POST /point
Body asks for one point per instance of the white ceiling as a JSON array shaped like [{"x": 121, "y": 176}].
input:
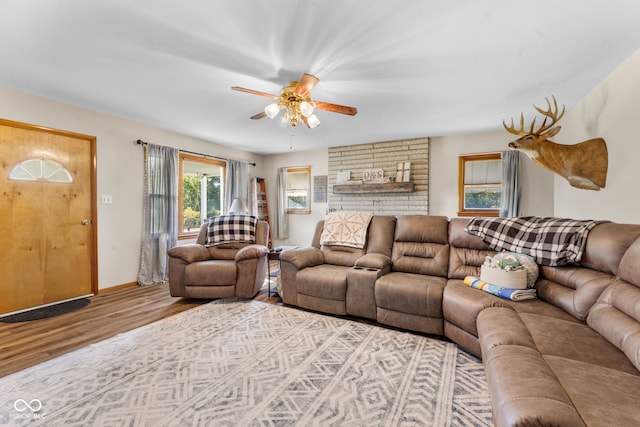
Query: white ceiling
[{"x": 413, "y": 68}]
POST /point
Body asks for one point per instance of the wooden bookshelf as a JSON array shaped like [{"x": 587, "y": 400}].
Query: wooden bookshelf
[{"x": 260, "y": 191}]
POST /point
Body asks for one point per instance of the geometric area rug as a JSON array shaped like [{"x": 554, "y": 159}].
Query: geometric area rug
[{"x": 247, "y": 363}]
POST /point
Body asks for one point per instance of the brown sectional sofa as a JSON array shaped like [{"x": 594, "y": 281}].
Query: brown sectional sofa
[{"x": 569, "y": 358}]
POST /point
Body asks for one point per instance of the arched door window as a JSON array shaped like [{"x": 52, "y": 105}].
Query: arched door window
[{"x": 40, "y": 170}]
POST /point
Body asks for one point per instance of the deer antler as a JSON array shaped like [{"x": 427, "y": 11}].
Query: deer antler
[
  {"x": 512, "y": 129},
  {"x": 550, "y": 113}
]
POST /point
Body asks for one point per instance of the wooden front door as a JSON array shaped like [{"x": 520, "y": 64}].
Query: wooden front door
[{"x": 47, "y": 216}]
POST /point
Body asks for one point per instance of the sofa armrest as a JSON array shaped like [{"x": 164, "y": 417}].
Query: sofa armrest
[
  {"x": 374, "y": 260},
  {"x": 251, "y": 252},
  {"x": 303, "y": 257},
  {"x": 189, "y": 253}
]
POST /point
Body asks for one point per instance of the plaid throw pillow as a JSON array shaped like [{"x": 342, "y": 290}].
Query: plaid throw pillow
[{"x": 231, "y": 228}]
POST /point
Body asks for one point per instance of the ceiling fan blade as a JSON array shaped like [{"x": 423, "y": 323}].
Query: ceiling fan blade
[
  {"x": 335, "y": 108},
  {"x": 304, "y": 119},
  {"x": 255, "y": 92},
  {"x": 306, "y": 84},
  {"x": 258, "y": 116}
]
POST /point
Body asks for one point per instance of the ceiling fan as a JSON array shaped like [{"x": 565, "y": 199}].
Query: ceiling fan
[{"x": 295, "y": 101}]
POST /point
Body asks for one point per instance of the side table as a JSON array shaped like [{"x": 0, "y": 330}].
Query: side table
[{"x": 274, "y": 255}]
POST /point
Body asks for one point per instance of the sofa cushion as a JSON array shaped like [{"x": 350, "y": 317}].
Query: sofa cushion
[
  {"x": 524, "y": 389},
  {"x": 381, "y": 233},
  {"x": 462, "y": 304},
  {"x": 421, "y": 258},
  {"x": 226, "y": 251},
  {"x": 595, "y": 376},
  {"x": 410, "y": 301},
  {"x": 616, "y": 316},
  {"x": 574, "y": 289},
  {"x": 341, "y": 255},
  {"x": 421, "y": 245},
  {"x": 466, "y": 252},
  {"x": 459, "y": 237},
  {"x": 323, "y": 281},
  {"x": 606, "y": 245},
  {"x": 422, "y": 228},
  {"x": 602, "y": 396},
  {"x": 630, "y": 265},
  {"x": 576, "y": 341},
  {"x": 411, "y": 293},
  {"x": 465, "y": 262},
  {"x": 211, "y": 273}
]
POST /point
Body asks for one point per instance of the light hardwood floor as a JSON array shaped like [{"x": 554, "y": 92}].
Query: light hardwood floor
[{"x": 28, "y": 343}]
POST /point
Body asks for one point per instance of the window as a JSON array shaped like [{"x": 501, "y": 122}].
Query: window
[
  {"x": 299, "y": 190},
  {"x": 42, "y": 170},
  {"x": 480, "y": 185},
  {"x": 201, "y": 191}
]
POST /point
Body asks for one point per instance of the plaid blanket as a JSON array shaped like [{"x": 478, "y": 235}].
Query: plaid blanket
[
  {"x": 550, "y": 241},
  {"x": 231, "y": 228}
]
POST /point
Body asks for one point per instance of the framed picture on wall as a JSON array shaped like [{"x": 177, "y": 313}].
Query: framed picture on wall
[{"x": 320, "y": 189}]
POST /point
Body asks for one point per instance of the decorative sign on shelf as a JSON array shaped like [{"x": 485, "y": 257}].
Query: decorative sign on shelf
[
  {"x": 373, "y": 176},
  {"x": 343, "y": 177},
  {"x": 403, "y": 172}
]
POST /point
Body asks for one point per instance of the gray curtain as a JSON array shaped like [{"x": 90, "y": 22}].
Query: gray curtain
[
  {"x": 281, "y": 218},
  {"x": 236, "y": 183},
  {"x": 160, "y": 228},
  {"x": 510, "y": 184}
]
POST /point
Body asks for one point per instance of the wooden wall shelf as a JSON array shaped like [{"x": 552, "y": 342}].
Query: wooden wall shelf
[{"x": 388, "y": 187}]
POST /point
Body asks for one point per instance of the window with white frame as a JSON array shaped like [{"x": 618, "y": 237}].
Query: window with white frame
[
  {"x": 201, "y": 192},
  {"x": 298, "y": 189}
]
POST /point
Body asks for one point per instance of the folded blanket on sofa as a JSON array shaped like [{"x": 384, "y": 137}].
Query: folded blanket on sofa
[
  {"x": 346, "y": 228},
  {"x": 499, "y": 291},
  {"x": 550, "y": 241}
]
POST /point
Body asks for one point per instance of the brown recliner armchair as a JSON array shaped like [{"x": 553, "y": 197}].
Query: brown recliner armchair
[{"x": 226, "y": 270}]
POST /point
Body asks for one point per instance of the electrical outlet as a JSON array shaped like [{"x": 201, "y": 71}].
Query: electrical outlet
[{"x": 106, "y": 199}]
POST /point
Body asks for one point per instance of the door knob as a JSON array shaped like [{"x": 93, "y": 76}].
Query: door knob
[{"x": 86, "y": 222}]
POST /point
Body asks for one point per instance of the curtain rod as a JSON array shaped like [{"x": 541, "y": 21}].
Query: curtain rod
[{"x": 141, "y": 142}]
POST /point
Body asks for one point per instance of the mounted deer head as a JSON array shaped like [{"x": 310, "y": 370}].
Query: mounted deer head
[{"x": 584, "y": 164}]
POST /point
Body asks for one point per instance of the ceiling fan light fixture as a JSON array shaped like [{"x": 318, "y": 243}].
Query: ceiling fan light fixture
[
  {"x": 306, "y": 108},
  {"x": 272, "y": 110},
  {"x": 284, "y": 120},
  {"x": 296, "y": 104},
  {"x": 313, "y": 121}
]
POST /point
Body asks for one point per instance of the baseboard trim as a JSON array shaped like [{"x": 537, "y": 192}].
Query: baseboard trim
[{"x": 117, "y": 288}]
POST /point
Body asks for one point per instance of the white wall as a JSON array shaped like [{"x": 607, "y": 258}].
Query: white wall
[
  {"x": 536, "y": 186},
  {"x": 610, "y": 111},
  {"x": 119, "y": 172},
  {"x": 301, "y": 226}
]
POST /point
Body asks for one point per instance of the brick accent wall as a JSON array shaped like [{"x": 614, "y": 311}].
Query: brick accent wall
[{"x": 384, "y": 155}]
